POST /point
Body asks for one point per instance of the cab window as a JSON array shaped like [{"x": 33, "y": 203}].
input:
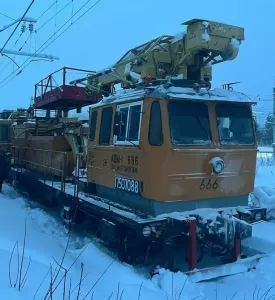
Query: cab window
[
  {"x": 189, "y": 123},
  {"x": 155, "y": 135},
  {"x": 105, "y": 126},
  {"x": 128, "y": 123},
  {"x": 234, "y": 123},
  {"x": 93, "y": 125}
]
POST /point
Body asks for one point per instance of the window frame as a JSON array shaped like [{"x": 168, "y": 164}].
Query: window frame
[
  {"x": 129, "y": 105},
  {"x": 252, "y": 125},
  {"x": 150, "y": 125},
  {"x": 209, "y": 124},
  {"x": 101, "y": 119},
  {"x": 95, "y": 127}
]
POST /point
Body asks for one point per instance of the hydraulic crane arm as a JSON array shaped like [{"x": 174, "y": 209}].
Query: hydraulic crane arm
[{"x": 189, "y": 55}]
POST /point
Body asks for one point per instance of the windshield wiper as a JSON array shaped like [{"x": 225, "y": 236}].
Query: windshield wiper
[
  {"x": 126, "y": 139},
  {"x": 200, "y": 124}
]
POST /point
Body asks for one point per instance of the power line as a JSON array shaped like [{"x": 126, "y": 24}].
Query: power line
[
  {"x": 25, "y": 42},
  {"x": 71, "y": 23},
  {"x": 7, "y": 16},
  {"x": 11, "y": 49},
  {"x": 47, "y": 10},
  {"x": 37, "y": 52},
  {"x": 45, "y": 23},
  {"x": 17, "y": 25}
]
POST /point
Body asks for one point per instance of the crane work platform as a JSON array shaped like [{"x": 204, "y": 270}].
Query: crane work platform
[{"x": 54, "y": 92}]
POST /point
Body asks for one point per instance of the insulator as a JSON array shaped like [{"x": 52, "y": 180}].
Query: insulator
[
  {"x": 23, "y": 28},
  {"x": 31, "y": 27}
]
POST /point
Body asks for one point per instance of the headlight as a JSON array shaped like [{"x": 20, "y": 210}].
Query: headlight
[
  {"x": 217, "y": 165},
  {"x": 147, "y": 231}
]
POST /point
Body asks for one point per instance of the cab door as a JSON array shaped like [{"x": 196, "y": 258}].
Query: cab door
[{"x": 127, "y": 151}]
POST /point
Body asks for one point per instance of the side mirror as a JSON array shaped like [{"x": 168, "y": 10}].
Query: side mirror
[{"x": 117, "y": 122}]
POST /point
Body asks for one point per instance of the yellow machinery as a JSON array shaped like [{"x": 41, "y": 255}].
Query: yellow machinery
[
  {"x": 188, "y": 55},
  {"x": 170, "y": 161}
]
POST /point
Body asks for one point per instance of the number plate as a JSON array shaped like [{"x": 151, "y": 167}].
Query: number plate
[{"x": 128, "y": 185}]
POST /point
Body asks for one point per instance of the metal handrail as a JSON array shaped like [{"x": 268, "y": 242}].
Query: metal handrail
[
  {"x": 40, "y": 165},
  {"x": 43, "y": 150},
  {"x": 39, "y": 85},
  {"x": 44, "y": 167}
]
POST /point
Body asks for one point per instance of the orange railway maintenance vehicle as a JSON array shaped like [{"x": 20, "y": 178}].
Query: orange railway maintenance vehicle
[{"x": 170, "y": 161}]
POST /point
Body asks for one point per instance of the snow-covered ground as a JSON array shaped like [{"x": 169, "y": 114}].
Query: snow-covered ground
[
  {"x": 45, "y": 246},
  {"x": 104, "y": 277},
  {"x": 265, "y": 149}
]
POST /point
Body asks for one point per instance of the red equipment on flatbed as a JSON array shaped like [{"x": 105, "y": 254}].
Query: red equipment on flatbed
[{"x": 50, "y": 95}]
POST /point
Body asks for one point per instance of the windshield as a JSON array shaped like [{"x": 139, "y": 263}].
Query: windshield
[
  {"x": 234, "y": 124},
  {"x": 189, "y": 123}
]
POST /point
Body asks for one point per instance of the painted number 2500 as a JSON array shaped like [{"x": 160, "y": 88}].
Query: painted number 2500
[{"x": 209, "y": 184}]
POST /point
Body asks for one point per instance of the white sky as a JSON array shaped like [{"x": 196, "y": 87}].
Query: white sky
[{"x": 107, "y": 31}]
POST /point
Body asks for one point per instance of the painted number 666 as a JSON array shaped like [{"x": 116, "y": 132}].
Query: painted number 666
[{"x": 209, "y": 184}]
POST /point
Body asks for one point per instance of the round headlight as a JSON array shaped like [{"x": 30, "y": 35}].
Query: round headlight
[
  {"x": 218, "y": 166},
  {"x": 147, "y": 231}
]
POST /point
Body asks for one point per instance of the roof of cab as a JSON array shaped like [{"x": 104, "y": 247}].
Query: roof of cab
[{"x": 215, "y": 95}]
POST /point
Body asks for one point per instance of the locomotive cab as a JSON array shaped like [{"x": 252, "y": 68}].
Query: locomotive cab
[{"x": 178, "y": 150}]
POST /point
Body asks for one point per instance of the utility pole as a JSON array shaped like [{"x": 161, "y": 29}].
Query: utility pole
[{"x": 31, "y": 21}]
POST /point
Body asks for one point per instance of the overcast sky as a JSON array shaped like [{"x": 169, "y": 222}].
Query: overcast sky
[{"x": 108, "y": 30}]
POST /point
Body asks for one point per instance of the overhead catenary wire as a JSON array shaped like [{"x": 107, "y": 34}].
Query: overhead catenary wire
[
  {"x": 7, "y": 16},
  {"x": 11, "y": 49},
  {"x": 45, "y": 23},
  {"x": 55, "y": 18},
  {"x": 41, "y": 50},
  {"x": 25, "y": 42},
  {"x": 71, "y": 23},
  {"x": 45, "y": 11},
  {"x": 15, "y": 43},
  {"x": 11, "y": 35}
]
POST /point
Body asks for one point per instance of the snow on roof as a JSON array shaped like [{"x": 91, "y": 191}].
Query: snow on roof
[
  {"x": 217, "y": 94},
  {"x": 120, "y": 96},
  {"x": 179, "y": 36}
]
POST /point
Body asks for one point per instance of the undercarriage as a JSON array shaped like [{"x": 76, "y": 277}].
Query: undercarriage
[{"x": 190, "y": 242}]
